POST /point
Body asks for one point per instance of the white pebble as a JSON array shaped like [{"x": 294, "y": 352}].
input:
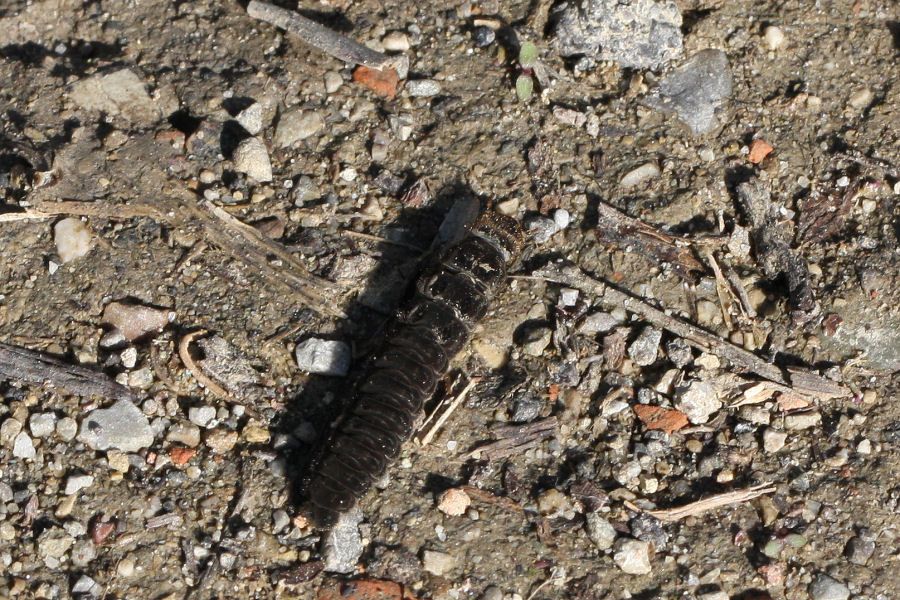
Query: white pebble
[
  {"x": 774, "y": 37},
  {"x": 201, "y": 415},
  {"x": 861, "y": 99},
  {"x": 437, "y": 563},
  {"x": 706, "y": 155},
  {"x": 72, "y": 238},
  {"x": 252, "y": 158},
  {"x": 129, "y": 357},
  {"x": 635, "y": 177},
  {"x": 333, "y": 82},
  {"x": 76, "y": 483},
  {"x": 67, "y": 429},
  {"x": 395, "y": 41},
  {"x": 23, "y": 447},
  {"x": 251, "y": 118},
  {"x": 324, "y": 357},
  {"x": 697, "y": 400},
  {"x": 296, "y": 125},
  {"x": 773, "y": 440},
  {"x": 562, "y": 218},
  {"x": 42, "y": 424},
  {"x": 632, "y": 556},
  {"x": 423, "y": 88}
]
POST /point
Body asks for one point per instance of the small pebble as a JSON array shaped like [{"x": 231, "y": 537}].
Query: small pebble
[
  {"x": 562, "y": 218},
  {"x": 296, "y": 125},
  {"x": 251, "y": 118},
  {"x": 76, "y": 483},
  {"x": 73, "y": 239},
  {"x": 323, "y": 357},
  {"x": 121, "y": 426},
  {"x": 542, "y": 228},
  {"x": 643, "y": 350},
  {"x": 632, "y": 556},
  {"x": 206, "y": 176},
  {"x": 536, "y": 341},
  {"x": 599, "y": 322},
  {"x": 67, "y": 429},
  {"x": 453, "y": 502},
  {"x": 333, "y": 82},
  {"x": 773, "y": 37},
  {"x": 600, "y": 531},
  {"x": 343, "y": 545},
  {"x": 125, "y": 567},
  {"x": 423, "y": 88},
  {"x": 252, "y": 158},
  {"x": 395, "y": 41},
  {"x": 641, "y": 174},
  {"x": 23, "y": 447},
  {"x": 483, "y": 36},
  {"x": 861, "y": 547},
  {"x": 184, "y": 433},
  {"x": 118, "y": 461},
  {"x": 824, "y": 587},
  {"x": 438, "y": 563},
  {"x": 42, "y": 424},
  {"x": 697, "y": 400},
  {"x": 201, "y": 415},
  {"x": 861, "y": 99},
  {"x": 568, "y": 297},
  {"x": 221, "y": 441},
  {"x": 129, "y": 357},
  {"x": 799, "y": 421},
  {"x": 773, "y": 440}
]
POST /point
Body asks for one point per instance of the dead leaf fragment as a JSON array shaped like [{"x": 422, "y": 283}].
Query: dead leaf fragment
[
  {"x": 759, "y": 149},
  {"x": 657, "y": 417}
]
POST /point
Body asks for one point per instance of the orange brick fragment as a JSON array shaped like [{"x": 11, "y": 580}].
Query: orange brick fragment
[
  {"x": 657, "y": 417},
  {"x": 364, "y": 589},
  {"x": 181, "y": 455},
  {"x": 759, "y": 149},
  {"x": 383, "y": 83}
]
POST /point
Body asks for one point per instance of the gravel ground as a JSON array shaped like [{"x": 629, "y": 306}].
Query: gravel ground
[{"x": 149, "y": 113}]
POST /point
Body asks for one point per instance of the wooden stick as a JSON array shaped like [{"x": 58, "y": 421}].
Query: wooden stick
[
  {"x": 36, "y": 367},
  {"x": 802, "y": 382},
  {"x": 314, "y": 34},
  {"x": 713, "y": 502}
]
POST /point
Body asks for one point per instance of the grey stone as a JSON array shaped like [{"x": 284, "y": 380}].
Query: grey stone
[
  {"x": 599, "y": 322},
  {"x": 323, "y": 357},
  {"x": 679, "y": 352},
  {"x": 542, "y": 228},
  {"x": 600, "y": 531},
  {"x": 804, "y": 420},
  {"x": 632, "y": 556},
  {"x": 423, "y": 88},
  {"x": 201, "y": 415},
  {"x": 251, "y": 118},
  {"x": 483, "y": 36},
  {"x": 9, "y": 429},
  {"x": 536, "y": 340},
  {"x": 644, "y": 348},
  {"x": 773, "y": 440},
  {"x": 67, "y": 429},
  {"x": 23, "y": 447},
  {"x": 6, "y": 492},
  {"x": 121, "y": 93},
  {"x": 42, "y": 424},
  {"x": 296, "y": 125},
  {"x": 184, "y": 433},
  {"x": 252, "y": 158},
  {"x": 639, "y": 34},
  {"x": 280, "y": 520},
  {"x": 53, "y": 543},
  {"x": 305, "y": 190},
  {"x": 86, "y": 585},
  {"x": 861, "y": 547},
  {"x": 695, "y": 91},
  {"x": 438, "y": 563},
  {"x": 121, "y": 426},
  {"x": 649, "y": 529},
  {"x": 824, "y": 587},
  {"x": 870, "y": 329},
  {"x": 83, "y": 552},
  {"x": 697, "y": 400},
  {"x": 343, "y": 546},
  {"x": 526, "y": 408}
]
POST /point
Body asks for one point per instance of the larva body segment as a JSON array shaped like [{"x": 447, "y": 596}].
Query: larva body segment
[{"x": 451, "y": 296}]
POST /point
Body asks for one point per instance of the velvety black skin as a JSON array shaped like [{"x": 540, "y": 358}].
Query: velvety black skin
[{"x": 450, "y": 297}]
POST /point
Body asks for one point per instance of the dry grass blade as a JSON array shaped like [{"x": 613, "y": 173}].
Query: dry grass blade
[
  {"x": 515, "y": 439},
  {"x": 185, "y": 353},
  {"x": 326, "y": 40},
  {"x": 442, "y": 412},
  {"x": 711, "y": 503}
]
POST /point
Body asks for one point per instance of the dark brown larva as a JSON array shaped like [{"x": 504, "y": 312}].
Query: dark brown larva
[{"x": 451, "y": 296}]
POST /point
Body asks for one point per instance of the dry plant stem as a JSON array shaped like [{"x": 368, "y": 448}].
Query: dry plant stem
[
  {"x": 200, "y": 376},
  {"x": 382, "y": 240},
  {"x": 515, "y": 439},
  {"x": 426, "y": 438},
  {"x": 37, "y": 367},
  {"x": 321, "y": 37},
  {"x": 800, "y": 382},
  {"x": 711, "y": 503}
]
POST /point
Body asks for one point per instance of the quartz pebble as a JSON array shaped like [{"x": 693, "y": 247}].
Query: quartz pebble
[
  {"x": 639, "y": 175},
  {"x": 252, "y": 158},
  {"x": 824, "y": 587},
  {"x": 453, "y": 502},
  {"x": 323, "y": 357},
  {"x": 343, "y": 545},
  {"x": 644, "y": 348},
  {"x": 395, "y": 41},
  {"x": 23, "y": 447},
  {"x": 600, "y": 531},
  {"x": 67, "y": 429},
  {"x": 697, "y": 400},
  {"x": 73, "y": 239},
  {"x": 134, "y": 320},
  {"x": 773, "y": 440},
  {"x": 121, "y": 426},
  {"x": 201, "y": 415},
  {"x": 251, "y": 118},
  {"x": 121, "y": 93},
  {"x": 773, "y": 37},
  {"x": 438, "y": 563},
  {"x": 423, "y": 88},
  {"x": 76, "y": 483},
  {"x": 296, "y": 125},
  {"x": 42, "y": 424},
  {"x": 632, "y": 556},
  {"x": 799, "y": 421},
  {"x": 333, "y": 82}
]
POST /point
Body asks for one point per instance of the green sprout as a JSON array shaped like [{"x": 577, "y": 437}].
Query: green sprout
[{"x": 524, "y": 81}]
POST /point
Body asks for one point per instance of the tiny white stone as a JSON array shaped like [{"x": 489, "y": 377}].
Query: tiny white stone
[
  {"x": 861, "y": 99},
  {"x": 349, "y": 174},
  {"x": 562, "y": 218},
  {"x": 23, "y": 447},
  {"x": 568, "y": 297},
  {"x": 76, "y": 483},
  {"x": 423, "y": 88},
  {"x": 201, "y": 415},
  {"x": 632, "y": 556},
  {"x": 639, "y": 175},
  {"x": 843, "y": 182},
  {"x": 324, "y": 357},
  {"x": 438, "y": 563},
  {"x": 706, "y": 155},
  {"x": 129, "y": 357},
  {"x": 697, "y": 400},
  {"x": 773, "y": 440},
  {"x": 251, "y": 118},
  {"x": 869, "y": 206},
  {"x": 72, "y": 238},
  {"x": 296, "y": 125},
  {"x": 395, "y": 41},
  {"x": 774, "y": 37},
  {"x": 333, "y": 82},
  {"x": 42, "y": 424}
]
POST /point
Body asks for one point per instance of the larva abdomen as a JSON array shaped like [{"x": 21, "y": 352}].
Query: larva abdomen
[{"x": 450, "y": 296}]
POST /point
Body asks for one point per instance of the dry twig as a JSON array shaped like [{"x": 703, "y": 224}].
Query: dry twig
[
  {"x": 314, "y": 34},
  {"x": 711, "y": 503},
  {"x": 515, "y": 439},
  {"x": 437, "y": 418},
  {"x": 185, "y": 354}
]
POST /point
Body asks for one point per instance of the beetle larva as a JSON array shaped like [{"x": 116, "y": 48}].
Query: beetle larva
[{"x": 451, "y": 295}]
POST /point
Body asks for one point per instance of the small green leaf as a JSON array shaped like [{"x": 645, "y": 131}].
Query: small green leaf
[
  {"x": 527, "y": 55},
  {"x": 524, "y": 87},
  {"x": 795, "y": 539},
  {"x": 772, "y": 549}
]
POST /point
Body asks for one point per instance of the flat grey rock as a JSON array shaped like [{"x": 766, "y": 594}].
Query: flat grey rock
[
  {"x": 696, "y": 91},
  {"x": 121, "y": 426},
  {"x": 343, "y": 546},
  {"x": 638, "y": 34}
]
